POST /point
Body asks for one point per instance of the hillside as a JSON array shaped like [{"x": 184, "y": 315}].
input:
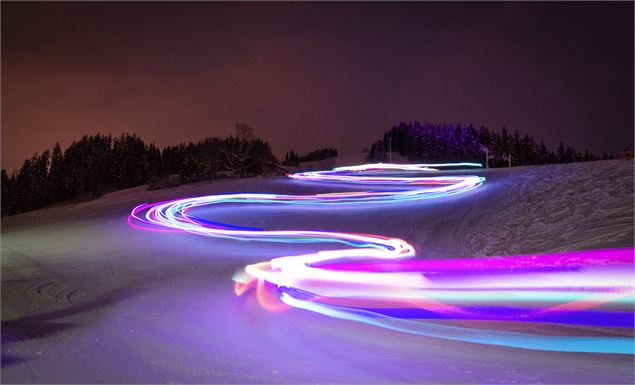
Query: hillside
[{"x": 153, "y": 307}]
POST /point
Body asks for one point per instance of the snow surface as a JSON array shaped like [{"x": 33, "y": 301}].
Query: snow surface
[{"x": 87, "y": 299}]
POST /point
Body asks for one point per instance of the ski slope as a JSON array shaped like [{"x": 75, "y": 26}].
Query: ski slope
[{"x": 87, "y": 299}]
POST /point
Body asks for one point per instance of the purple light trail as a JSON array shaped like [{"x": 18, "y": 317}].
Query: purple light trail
[{"x": 375, "y": 281}]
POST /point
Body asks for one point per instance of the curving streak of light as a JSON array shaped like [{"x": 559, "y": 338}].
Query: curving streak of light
[{"x": 372, "y": 281}]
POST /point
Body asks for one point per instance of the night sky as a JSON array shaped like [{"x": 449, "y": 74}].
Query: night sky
[{"x": 307, "y": 75}]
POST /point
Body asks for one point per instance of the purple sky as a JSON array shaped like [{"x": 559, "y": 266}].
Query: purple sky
[{"x": 308, "y": 75}]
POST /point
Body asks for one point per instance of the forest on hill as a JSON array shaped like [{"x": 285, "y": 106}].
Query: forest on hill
[
  {"x": 97, "y": 164},
  {"x": 427, "y": 142}
]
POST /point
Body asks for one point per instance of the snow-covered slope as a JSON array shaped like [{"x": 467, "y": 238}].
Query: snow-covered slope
[{"x": 86, "y": 298}]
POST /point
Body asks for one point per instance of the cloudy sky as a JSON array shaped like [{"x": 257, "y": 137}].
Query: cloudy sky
[{"x": 307, "y": 75}]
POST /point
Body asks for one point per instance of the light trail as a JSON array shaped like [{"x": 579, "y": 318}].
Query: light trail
[{"x": 374, "y": 280}]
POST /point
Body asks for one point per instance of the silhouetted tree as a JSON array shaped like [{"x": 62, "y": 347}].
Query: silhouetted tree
[
  {"x": 7, "y": 194},
  {"x": 129, "y": 159},
  {"x": 55, "y": 179}
]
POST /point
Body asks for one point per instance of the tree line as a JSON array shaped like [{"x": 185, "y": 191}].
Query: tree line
[
  {"x": 97, "y": 164},
  {"x": 427, "y": 142}
]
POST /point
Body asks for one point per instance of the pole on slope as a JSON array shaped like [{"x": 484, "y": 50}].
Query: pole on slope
[
  {"x": 486, "y": 151},
  {"x": 390, "y": 149},
  {"x": 486, "y": 157}
]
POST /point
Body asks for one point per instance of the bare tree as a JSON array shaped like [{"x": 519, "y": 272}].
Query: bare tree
[{"x": 244, "y": 133}]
